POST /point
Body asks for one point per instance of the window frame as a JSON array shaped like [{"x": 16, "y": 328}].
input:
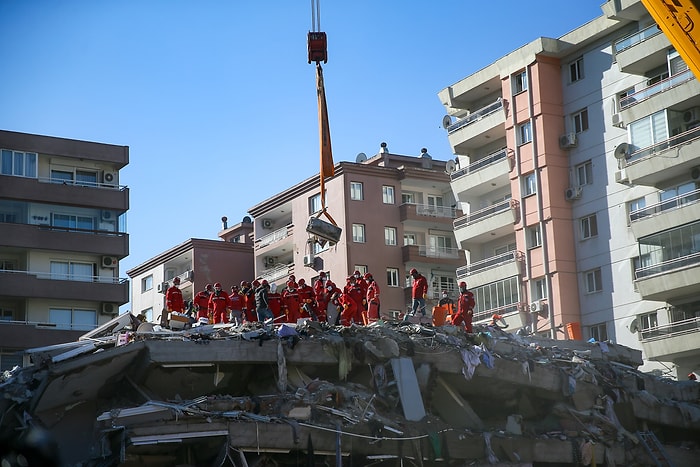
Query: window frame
[
  {"x": 392, "y": 277},
  {"x": 584, "y": 173},
  {"x": 387, "y": 234},
  {"x": 519, "y": 81},
  {"x": 594, "y": 331},
  {"x": 576, "y": 70},
  {"x": 529, "y": 184},
  {"x": 579, "y": 121},
  {"x": 588, "y": 226},
  {"x": 357, "y": 191},
  {"x": 593, "y": 280},
  {"x": 146, "y": 285},
  {"x": 355, "y": 235},
  {"x": 388, "y": 194},
  {"x": 524, "y": 133},
  {"x": 534, "y": 236},
  {"x": 9, "y": 159}
]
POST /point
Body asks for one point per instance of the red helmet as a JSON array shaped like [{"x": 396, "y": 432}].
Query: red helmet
[
  {"x": 322, "y": 274},
  {"x": 302, "y": 282},
  {"x": 292, "y": 277},
  {"x": 291, "y": 284},
  {"x": 256, "y": 283},
  {"x": 356, "y": 273},
  {"x": 462, "y": 285},
  {"x": 176, "y": 280},
  {"x": 349, "y": 278},
  {"x": 207, "y": 287},
  {"x": 413, "y": 271},
  {"x": 217, "y": 285},
  {"x": 264, "y": 282},
  {"x": 368, "y": 276}
]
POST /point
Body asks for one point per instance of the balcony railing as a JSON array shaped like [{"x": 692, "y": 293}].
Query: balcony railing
[
  {"x": 661, "y": 86},
  {"x": 67, "y": 277},
  {"x": 273, "y": 237},
  {"x": 677, "y": 328},
  {"x": 634, "y": 39},
  {"x": 665, "y": 205},
  {"x": 276, "y": 272},
  {"x": 438, "y": 252},
  {"x": 476, "y": 116},
  {"x": 486, "y": 212},
  {"x": 480, "y": 315},
  {"x": 480, "y": 164},
  {"x": 488, "y": 263},
  {"x": 692, "y": 259},
  {"x": 83, "y": 183},
  {"x": 435, "y": 211},
  {"x": 52, "y": 326},
  {"x": 661, "y": 146}
]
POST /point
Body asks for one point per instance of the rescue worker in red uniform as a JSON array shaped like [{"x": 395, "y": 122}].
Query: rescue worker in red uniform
[
  {"x": 220, "y": 304},
  {"x": 465, "y": 308},
  {"x": 419, "y": 292},
  {"x": 351, "y": 312},
  {"x": 290, "y": 302},
  {"x": 201, "y": 302},
  {"x": 362, "y": 282},
  {"x": 320, "y": 296},
  {"x": 274, "y": 299},
  {"x": 372, "y": 298},
  {"x": 173, "y": 297},
  {"x": 357, "y": 293},
  {"x": 237, "y": 305},
  {"x": 306, "y": 299},
  {"x": 248, "y": 294}
]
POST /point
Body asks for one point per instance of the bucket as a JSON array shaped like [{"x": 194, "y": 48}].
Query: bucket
[
  {"x": 573, "y": 330},
  {"x": 439, "y": 314}
]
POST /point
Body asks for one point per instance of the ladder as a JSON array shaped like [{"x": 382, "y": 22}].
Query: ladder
[{"x": 654, "y": 448}]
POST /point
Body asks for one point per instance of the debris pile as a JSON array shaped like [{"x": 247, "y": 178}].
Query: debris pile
[{"x": 131, "y": 393}]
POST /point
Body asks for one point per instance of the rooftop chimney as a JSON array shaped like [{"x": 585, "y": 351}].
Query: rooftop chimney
[
  {"x": 224, "y": 222},
  {"x": 383, "y": 149}
]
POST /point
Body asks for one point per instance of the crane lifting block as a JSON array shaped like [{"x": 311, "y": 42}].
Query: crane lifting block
[
  {"x": 318, "y": 44},
  {"x": 324, "y": 231}
]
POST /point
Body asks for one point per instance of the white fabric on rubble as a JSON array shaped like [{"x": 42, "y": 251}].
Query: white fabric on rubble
[{"x": 470, "y": 358}]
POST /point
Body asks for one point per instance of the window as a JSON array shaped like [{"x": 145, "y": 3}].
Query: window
[
  {"x": 439, "y": 246},
  {"x": 599, "y": 332},
  {"x": 392, "y": 277},
  {"x": 576, "y": 70},
  {"x": 534, "y": 236},
  {"x": 633, "y": 206},
  {"x": 501, "y": 294},
  {"x": 594, "y": 281},
  {"x": 72, "y": 271},
  {"x": 388, "y": 194},
  {"x": 499, "y": 250},
  {"x": 73, "y": 222},
  {"x": 6, "y": 314},
  {"x": 362, "y": 268},
  {"x": 148, "y": 313},
  {"x": 529, "y": 184},
  {"x": 68, "y": 318},
  {"x": 390, "y": 236},
  {"x": 317, "y": 247},
  {"x": 20, "y": 164},
  {"x": 589, "y": 227},
  {"x": 584, "y": 173},
  {"x": 524, "y": 133},
  {"x": 648, "y": 131},
  {"x": 8, "y": 265},
  {"x": 580, "y": 120},
  {"x": 358, "y": 233},
  {"x": 356, "y": 191},
  {"x": 539, "y": 289},
  {"x": 435, "y": 202},
  {"x": 520, "y": 82},
  {"x": 61, "y": 176},
  {"x": 408, "y": 198},
  {"x": 86, "y": 177},
  {"x": 315, "y": 204},
  {"x": 648, "y": 321},
  {"x": 146, "y": 283},
  {"x": 440, "y": 283},
  {"x": 409, "y": 239}
]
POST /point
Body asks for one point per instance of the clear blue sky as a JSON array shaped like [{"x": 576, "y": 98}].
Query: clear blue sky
[{"x": 217, "y": 103}]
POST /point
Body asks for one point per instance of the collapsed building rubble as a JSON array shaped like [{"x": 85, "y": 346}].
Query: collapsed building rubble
[{"x": 131, "y": 393}]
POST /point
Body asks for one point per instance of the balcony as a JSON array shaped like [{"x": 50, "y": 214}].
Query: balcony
[
  {"x": 27, "y": 335},
  {"x": 674, "y": 157},
  {"x": 276, "y": 242},
  {"x": 277, "y": 272},
  {"x": 672, "y": 341},
  {"x": 482, "y": 175},
  {"x": 667, "y": 214},
  {"x": 677, "y": 92},
  {"x": 641, "y": 51},
  {"x": 670, "y": 279},
  {"x": 431, "y": 255},
  {"x": 487, "y": 224},
  {"x": 478, "y": 128},
  {"x": 492, "y": 269},
  {"x": 47, "y": 237},
  {"x": 23, "y": 284},
  {"x": 511, "y": 313},
  {"x": 428, "y": 216}
]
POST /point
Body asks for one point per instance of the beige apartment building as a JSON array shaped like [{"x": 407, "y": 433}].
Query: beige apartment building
[
  {"x": 579, "y": 177},
  {"x": 395, "y": 211},
  {"x": 62, "y": 235}
]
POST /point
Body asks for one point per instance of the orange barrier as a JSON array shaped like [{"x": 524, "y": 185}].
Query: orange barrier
[{"x": 573, "y": 330}]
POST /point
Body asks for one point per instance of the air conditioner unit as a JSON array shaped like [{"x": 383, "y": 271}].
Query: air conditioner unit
[
  {"x": 107, "y": 215},
  {"x": 110, "y": 262},
  {"x": 269, "y": 261},
  {"x": 621, "y": 176},
  {"x": 189, "y": 275},
  {"x": 309, "y": 260},
  {"x": 617, "y": 120},
  {"x": 691, "y": 115},
  {"x": 536, "y": 306},
  {"x": 109, "y": 309},
  {"x": 110, "y": 178},
  {"x": 162, "y": 287},
  {"x": 568, "y": 141},
  {"x": 695, "y": 173},
  {"x": 572, "y": 193},
  {"x": 267, "y": 224}
]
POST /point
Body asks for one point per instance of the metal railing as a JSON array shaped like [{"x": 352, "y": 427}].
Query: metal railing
[
  {"x": 432, "y": 210},
  {"x": 664, "y": 145},
  {"x": 276, "y": 272},
  {"x": 674, "y": 329},
  {"x": 489, "y": 263},
  {"x": 83, "y": 183},
  {"x": 671, "y": 203},
  {"x": 52, "y": 326},
  {"x": 273, "y": 237},
  {"x": 67, "y": 277},
  {"x": 486, "y": 212},
  {"x": 505, "y": 310},
  {"x": 476, "y": 116},
  {"x": 492, "y": 158},
  {"x": 635, "y": 38},
  {"x": 661, "y": 86},
  {"x": 692, "y": 259},
  {"x": 438, "y": 252}
]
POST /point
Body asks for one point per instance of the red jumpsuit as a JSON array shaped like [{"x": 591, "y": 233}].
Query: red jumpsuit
[
  {"x": 306, "y": 298},
  {"x": 372, "y": 302},
  {"x": 355, "y": 290},
  {"x": 420, "y": 286},
  {"x": 251, "y": 313},
  {"x": 274, "y": 303},
  {"x": 465, "y": 313},
  {"x": 220, "y": 304},
  {"x": 237, "y": 304},
  {"x": 173, "y": 300},
  {"x": 201, "y": 304},
  {"x": 290, "y": 304},
  {"x": 351, "y": 312}
]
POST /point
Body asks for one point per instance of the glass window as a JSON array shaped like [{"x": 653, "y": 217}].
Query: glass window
[
  {"x": 315, "y": 203},
  {"x": 146, "y": 283},
  {"x": 524, "y": 133},
  {"x": 408, "y": 198},
  {"x": 6, "y": 314},
  {"x": 61, "y": 176},
  {"x": 409, "y": 239},
  {"x": 648, "y": 131},
  {"x": 576, "y": 70},
  {"x": 356, "y": 191},
  {"x": 86, "y": 178},
  {"x": 594, "y": 281},
  {"x": 584, "y": 173},
  {"x": 580, "y": 121},
  {"x": 362, "y": 268},
  {"x": 73, "y": 222},
  {"x": 529, "y": 184},
  {"x": 358, "y": 233},
  {"x": 72, "y": 271},
  {"x": 390, "y": 236},
  {"x": 589, "y": 227},
  {"x": 648, "y": 321},
  {"x": 84, "y": 320},
  {"x": 388, "y": 194},
  {"x": 633, "y": 206},
  {"x": 148, "y": 313},
  {"x": 392, "y": 277},
  {"x": 61, "y": 317},
  {"x": 534, "y": 236},
  {"x": 539, "y": 289},
  {"x": 21, "y": 164},
  {"x": 520, "y": 82},
  {"x": 599, "y": 332}
]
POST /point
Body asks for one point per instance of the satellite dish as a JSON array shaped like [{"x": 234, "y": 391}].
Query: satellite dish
[
  {"x": 361, "y": 157},
  {"x": 446, "y": 121},
  {"x": 450, "y": 166},
  {"x": 621, "y": 150},
  {"x": 634, "y": 326}
]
